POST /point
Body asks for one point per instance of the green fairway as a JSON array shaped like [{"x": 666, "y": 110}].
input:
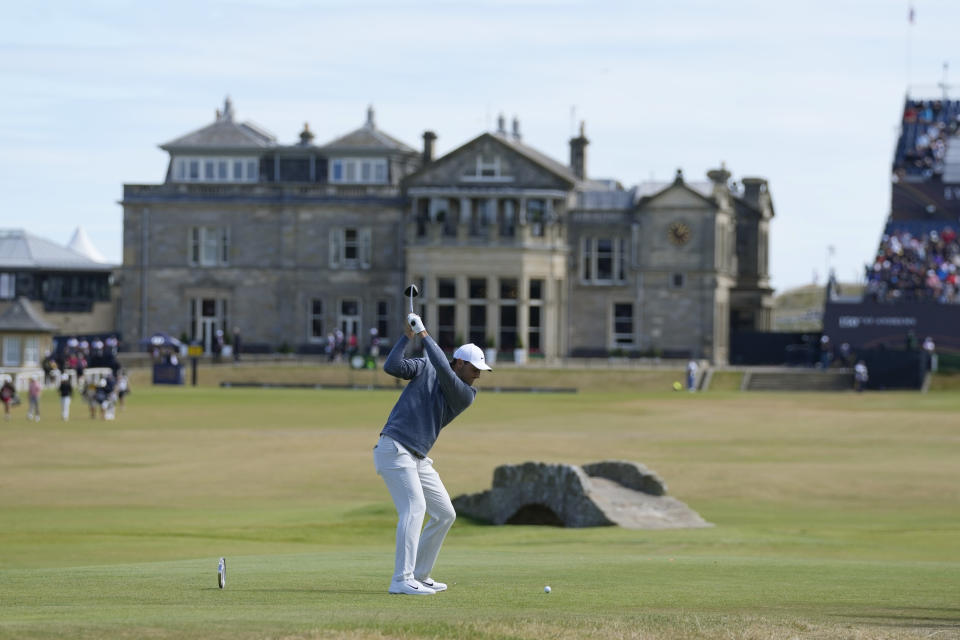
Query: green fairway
[{"x": 837, "y": 516}]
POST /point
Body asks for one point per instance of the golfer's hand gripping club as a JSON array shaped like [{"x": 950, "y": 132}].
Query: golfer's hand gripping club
[{"x": 416, "y": 324}]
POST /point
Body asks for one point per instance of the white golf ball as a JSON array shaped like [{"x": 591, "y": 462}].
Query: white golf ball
[{"x": 546, "y": 589}]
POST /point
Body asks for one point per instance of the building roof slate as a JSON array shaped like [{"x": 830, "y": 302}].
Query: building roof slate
[
  {"x": 225, "y": 133},
  {"x": 22, "y": 250},
  {"x": 367, "y": 138},
  {"x": 21, "y": 316}
]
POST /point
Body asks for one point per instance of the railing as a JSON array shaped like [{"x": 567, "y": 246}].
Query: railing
[{"x": 260, "y": 191}]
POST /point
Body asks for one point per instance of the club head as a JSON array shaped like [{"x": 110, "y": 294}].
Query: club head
[{"x": 412, "y": 292}]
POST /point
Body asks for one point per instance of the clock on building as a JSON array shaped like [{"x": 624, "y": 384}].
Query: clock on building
[{"x": 679, "y": 233}]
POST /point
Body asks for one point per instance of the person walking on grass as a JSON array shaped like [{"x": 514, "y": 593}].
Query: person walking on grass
[
  {"x": 66, "y": 394},
  {"x": 8, "y": 394},
  {"x": 437, "y": 393},
  {"x": 33, "y": 391}
]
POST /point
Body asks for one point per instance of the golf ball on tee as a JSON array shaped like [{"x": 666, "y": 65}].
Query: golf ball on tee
[{"x": 546, "y": 589}]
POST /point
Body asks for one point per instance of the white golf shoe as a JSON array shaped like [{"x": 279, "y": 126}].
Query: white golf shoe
[
  {"x": 410, "y": 588},
  {"x": 430, "y": 583}
]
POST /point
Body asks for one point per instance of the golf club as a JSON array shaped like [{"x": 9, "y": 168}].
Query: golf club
[{"x": 413, "y": 292}]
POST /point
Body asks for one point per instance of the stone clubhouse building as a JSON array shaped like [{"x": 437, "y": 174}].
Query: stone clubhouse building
[{"x": 510, "y": 248}]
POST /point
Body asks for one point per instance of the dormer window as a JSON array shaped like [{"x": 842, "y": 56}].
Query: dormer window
[
  {"x": 487, "y": 169},
  {"x": 358, "y": 170},
  {"x": 216, "y": 169}
]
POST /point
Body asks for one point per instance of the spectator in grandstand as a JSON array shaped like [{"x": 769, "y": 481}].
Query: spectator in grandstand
[
  {"x": 922, "y": 267},
  {"x": 926, "y": 127}
]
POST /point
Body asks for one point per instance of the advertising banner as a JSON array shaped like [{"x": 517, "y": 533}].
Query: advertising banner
[
  {"x": 892, "y": 326},
  {"x": 925, "y": 201}
]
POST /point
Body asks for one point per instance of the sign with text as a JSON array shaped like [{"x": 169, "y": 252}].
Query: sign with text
[
  {"x": 888, "y": 325},
  {"x": 925, "y": 201}
]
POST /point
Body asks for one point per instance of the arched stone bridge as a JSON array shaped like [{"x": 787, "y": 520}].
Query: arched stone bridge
[{"x": 606, "y": 493}]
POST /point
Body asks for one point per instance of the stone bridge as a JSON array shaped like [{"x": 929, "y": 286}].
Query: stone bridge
[{"x": 606, "y": 493}]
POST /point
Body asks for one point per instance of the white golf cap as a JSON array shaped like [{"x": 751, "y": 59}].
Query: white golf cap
[{"x": 472, "y": 354}]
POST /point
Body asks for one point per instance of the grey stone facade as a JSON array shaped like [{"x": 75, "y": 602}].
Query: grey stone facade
[{"x": 508, "y": 246}]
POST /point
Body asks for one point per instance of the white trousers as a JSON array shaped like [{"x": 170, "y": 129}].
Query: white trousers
[
  {"x": 416, "y": 490},
  {"x": 65, "y": 407}
]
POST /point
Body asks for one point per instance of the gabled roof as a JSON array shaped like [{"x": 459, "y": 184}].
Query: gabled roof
[
  {"x": 21, "y": 316},
  {"x": 647, "y": 191},
  {"x": 529, "y": 153},
  {"x": 224, "y": 134},
  {"x": 22, "y": 250},
  {"x": 537, "y": 157},
  {"x": 367, "y": 138}
]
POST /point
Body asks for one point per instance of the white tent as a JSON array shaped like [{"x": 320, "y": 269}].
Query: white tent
[{"x": 80, "y": 242}]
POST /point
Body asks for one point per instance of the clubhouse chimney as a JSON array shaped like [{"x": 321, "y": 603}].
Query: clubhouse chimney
[
  {"x": 428, "y": 138},
  {"x": 578, "y": 154},
  {"x": 753, "y": 188}
]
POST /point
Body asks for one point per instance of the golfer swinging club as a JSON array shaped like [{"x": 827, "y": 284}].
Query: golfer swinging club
[{"x": 437, "y": 393}]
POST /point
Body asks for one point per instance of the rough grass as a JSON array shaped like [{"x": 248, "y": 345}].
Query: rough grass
[{"x": 836, "y": 517}]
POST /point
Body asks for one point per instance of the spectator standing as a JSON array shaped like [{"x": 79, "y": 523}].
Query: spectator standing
[
  {"x": 123, "y": 387},
  {"x": 931, "y": 350},
  {"x": 331, "y": 347},
  {"x": 7, "y": 395},
  {"x": 217, "y": 345},
  {"x": 860, "y": 376},
  {"x": 33, "y": 391},
  {"x": 48, "y": 366},
  {"x": 826, "y": 352},
  {"x": 103, "y": 396},
  {"x": 90, "y": 395},
  {"x": 352, "y": 344},
  {"x": 80, "y": 365},
  {"x": 846, "y": 354},
  {"x": 692, "y": 375},
  {"x": 236, "y": 347},
  {"x": 66, "y": 394}
]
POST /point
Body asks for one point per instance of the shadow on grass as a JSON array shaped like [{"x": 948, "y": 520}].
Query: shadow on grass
[
  {"x": 939, "y": 618},
  {"x": 333, "y": 590}
]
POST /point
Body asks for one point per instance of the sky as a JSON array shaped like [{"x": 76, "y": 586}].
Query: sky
[{"x": 805, "y": 94}]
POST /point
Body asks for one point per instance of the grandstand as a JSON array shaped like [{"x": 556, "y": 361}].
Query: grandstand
[{"x": 912, "y": 289}]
